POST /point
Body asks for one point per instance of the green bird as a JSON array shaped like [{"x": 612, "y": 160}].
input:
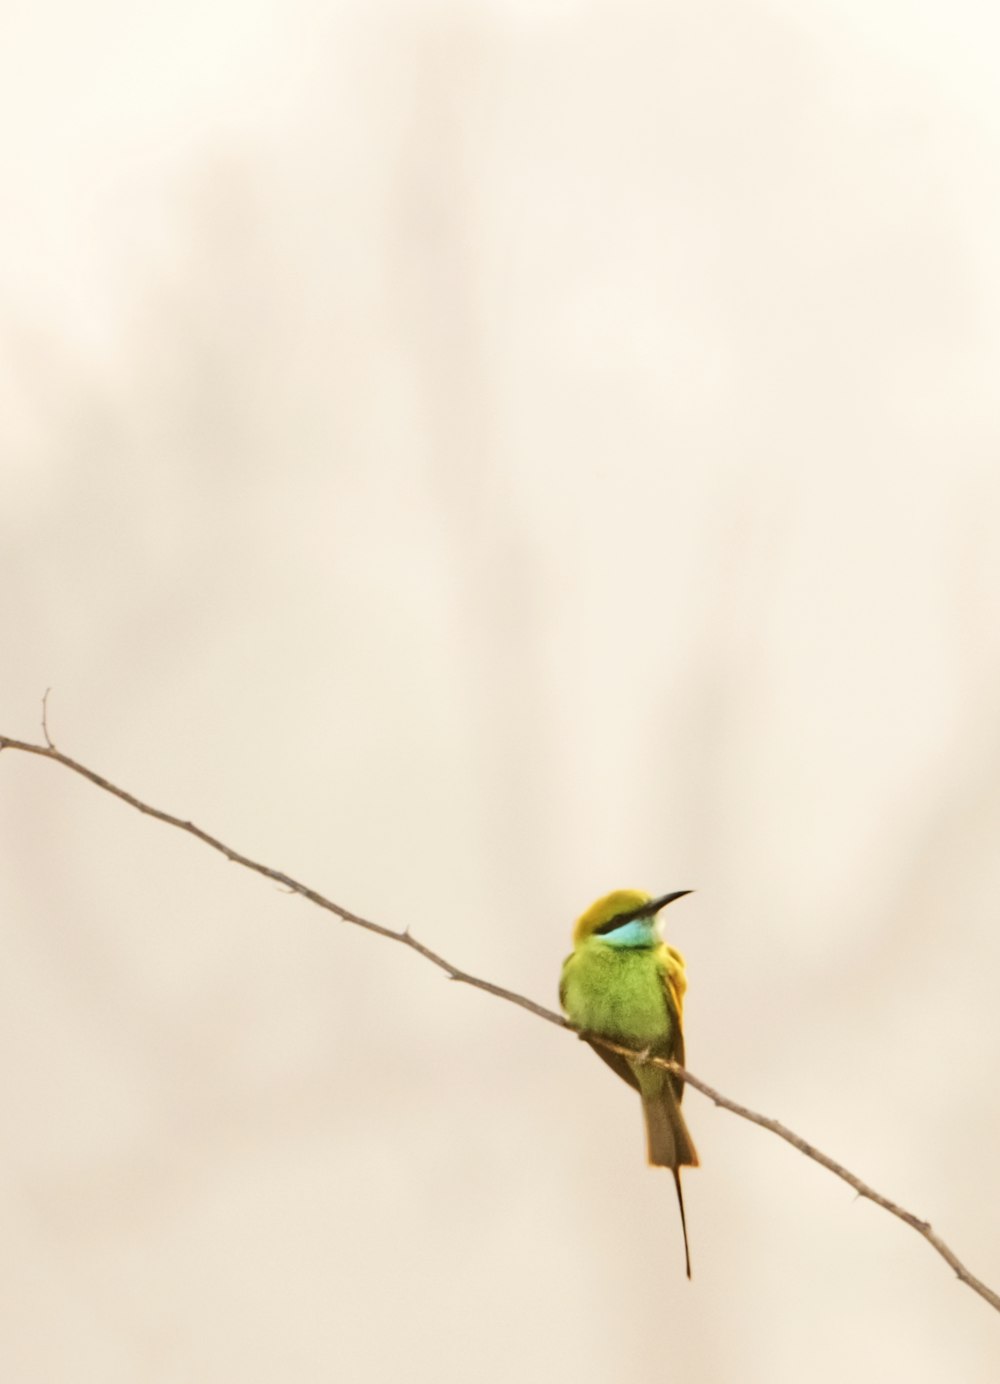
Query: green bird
[{"x": 622, "y": 982}]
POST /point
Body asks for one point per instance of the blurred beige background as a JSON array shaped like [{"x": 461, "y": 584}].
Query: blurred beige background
[{"x": 473, "y": 457}]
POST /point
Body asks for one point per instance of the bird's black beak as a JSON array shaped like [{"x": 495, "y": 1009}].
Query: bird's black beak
[{"x": 648, "y": 910}]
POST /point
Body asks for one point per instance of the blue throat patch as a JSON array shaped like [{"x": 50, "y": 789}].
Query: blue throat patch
[{"x": 640, "y": 932}]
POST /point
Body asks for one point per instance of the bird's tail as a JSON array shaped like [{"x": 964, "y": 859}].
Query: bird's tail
[{"x": 669, "y": 1145}]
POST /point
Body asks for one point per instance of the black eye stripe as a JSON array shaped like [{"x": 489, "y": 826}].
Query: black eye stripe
[
  {"x": 619, "y": 920},
  {"x": 644, "y": 910}
]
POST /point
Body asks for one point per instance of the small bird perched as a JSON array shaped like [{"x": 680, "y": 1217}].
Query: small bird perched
[{"x": 622, "y": 982}]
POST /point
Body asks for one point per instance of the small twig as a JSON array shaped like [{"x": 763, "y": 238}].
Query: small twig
[
  {"x": 45, "y": 719},
  {"x": 406, "y": 939}
]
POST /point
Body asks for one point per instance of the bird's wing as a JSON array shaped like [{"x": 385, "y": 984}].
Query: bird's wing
[
  {"x": 617, "y": 1063},
  {"x": 678, "y": 1056},
  {"x": 674, "y": 982}
]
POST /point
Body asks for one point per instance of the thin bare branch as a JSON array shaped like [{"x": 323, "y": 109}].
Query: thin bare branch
[
  {"x": 406, "y": 939},
  {"x": 825, "y": 1161},
  {"x": 294, "y": 886}
]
